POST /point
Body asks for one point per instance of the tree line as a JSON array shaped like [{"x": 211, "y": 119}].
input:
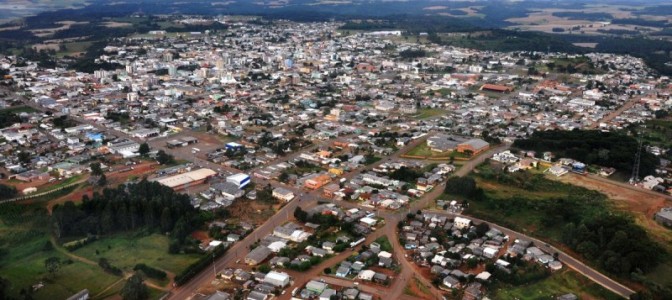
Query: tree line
[
  {"x": 608, "y": 149},
  {"x": 143, "y": 205}
]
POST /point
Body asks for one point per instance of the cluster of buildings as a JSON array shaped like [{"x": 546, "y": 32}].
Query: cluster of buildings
[
  {"x": 278, "y": 88},
  {"x": 452, "y": 258}
]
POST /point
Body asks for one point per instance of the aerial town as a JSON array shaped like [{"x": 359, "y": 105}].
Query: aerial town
[{"x": 329, "y": 150}]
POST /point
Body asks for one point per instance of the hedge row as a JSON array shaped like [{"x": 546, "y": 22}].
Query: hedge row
[
  {"x": 150, "y": 272},
  {"x": 198, "y": 266}
]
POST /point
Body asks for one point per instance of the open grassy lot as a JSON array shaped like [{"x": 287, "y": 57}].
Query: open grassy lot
[
  {"x": 24, "y": 232},
  {"x": 566, "y": 281},
  {"x": 421, "y": 150},
  {"x": 60, "y": 184},
  {"x": 74, "y": 48},
  {"x": 425, "y": 151},
  {"x": 126, "y": 250},
  {"x": 426, "y": 113},
  {"x": 657, "y": 132},
  {"x": 520, "y": 200},
  {"x": 384, "y": 243},
  {"x": 26, "y": 268},
  {"x": 25, "y": 245}
]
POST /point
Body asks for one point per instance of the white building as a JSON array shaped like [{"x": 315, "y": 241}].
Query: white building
[
  {"x": 461, "y": 223},
  {"x": 240, "y": 179},
  {"x": 277, "y": 279},
  {"x": 283, "y": 194}
]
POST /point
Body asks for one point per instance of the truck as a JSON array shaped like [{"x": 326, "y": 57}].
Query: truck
[{"x": 357, "y": 242}]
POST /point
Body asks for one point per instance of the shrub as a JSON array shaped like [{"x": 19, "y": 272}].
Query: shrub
[{"x": 150, "y": 272}]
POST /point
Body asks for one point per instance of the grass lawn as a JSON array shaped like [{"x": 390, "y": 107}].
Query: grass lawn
[
  {"x": 421, "y": 150},
  {"x": 373, "y": 160},
  {"x": 61, "y": 184},
  {"x": 384, "y": 243},
  {"x": 23, "y": 235},
  {"x": 566, "y": 281},
  {"x": 424, "y": 150},
  {"x": 426, "y": 113},
  {"x": 24, "y": 271},
  {"x": 125, "y": 251},
  {"x": 74, "y": 47}
]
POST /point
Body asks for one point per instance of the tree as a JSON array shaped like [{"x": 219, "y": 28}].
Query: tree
[
  {"x": 53, "y": 265},
  {"x": 300, "y": 214},
  {"x": 102, "y": 180},
  {"x": 482, "y": 228},
  {"x": 164, "y": 158},
  {"x": 166, "y": 220},
  {"x": 24, "y": 157},
  {"x": 144, "y": 149},
  {"x": 181, "y": 230},
  {"x": 284, "y": 177},
  {"x": 4, "y": 287},
  {"x": 462, "y": 186},
  {"x": 7, "y": 192},
  {"x": 134, "y": 289},
  {"x": 264, "y": 268},
  {"x": 96, "y": 170}
]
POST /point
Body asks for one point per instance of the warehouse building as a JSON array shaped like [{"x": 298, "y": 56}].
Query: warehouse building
[
  {"x": 277, "y": 279},
  {"x": 184, "y": 180},
  {"x": 240, "y": 179}
]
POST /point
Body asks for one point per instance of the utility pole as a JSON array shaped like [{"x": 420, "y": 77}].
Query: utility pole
[{"x": 214, "y": 266}]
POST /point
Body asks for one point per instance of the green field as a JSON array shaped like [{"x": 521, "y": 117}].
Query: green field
[
  {"x": 421, "y": 150},
  {"x": 424, "y": 150},
  {"x": 24, "y": 239},
  {"x": 125, "y": 251},
  {"x": 566, "y": 281},
  {"x": 61, "y": 184},
  {"x": 426, "y": 113},
  {"x": 657, "y": 132},
  {"x": 74, "y": 47},
  {"x": 384, "y": 243},
  {"x": 517, "y": 200},
  {"x": 23, "y": 235}
]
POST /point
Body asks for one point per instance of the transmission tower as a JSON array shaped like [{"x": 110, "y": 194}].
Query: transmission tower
[{"x": 635, "y": 165}]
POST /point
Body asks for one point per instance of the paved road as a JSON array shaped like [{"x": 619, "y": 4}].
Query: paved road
[
  {"x": 610, "y": 116},
  {"x": 569, "y": 261}
]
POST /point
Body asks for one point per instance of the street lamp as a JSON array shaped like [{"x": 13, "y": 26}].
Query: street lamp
[{"x": 214, "y": 266}]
